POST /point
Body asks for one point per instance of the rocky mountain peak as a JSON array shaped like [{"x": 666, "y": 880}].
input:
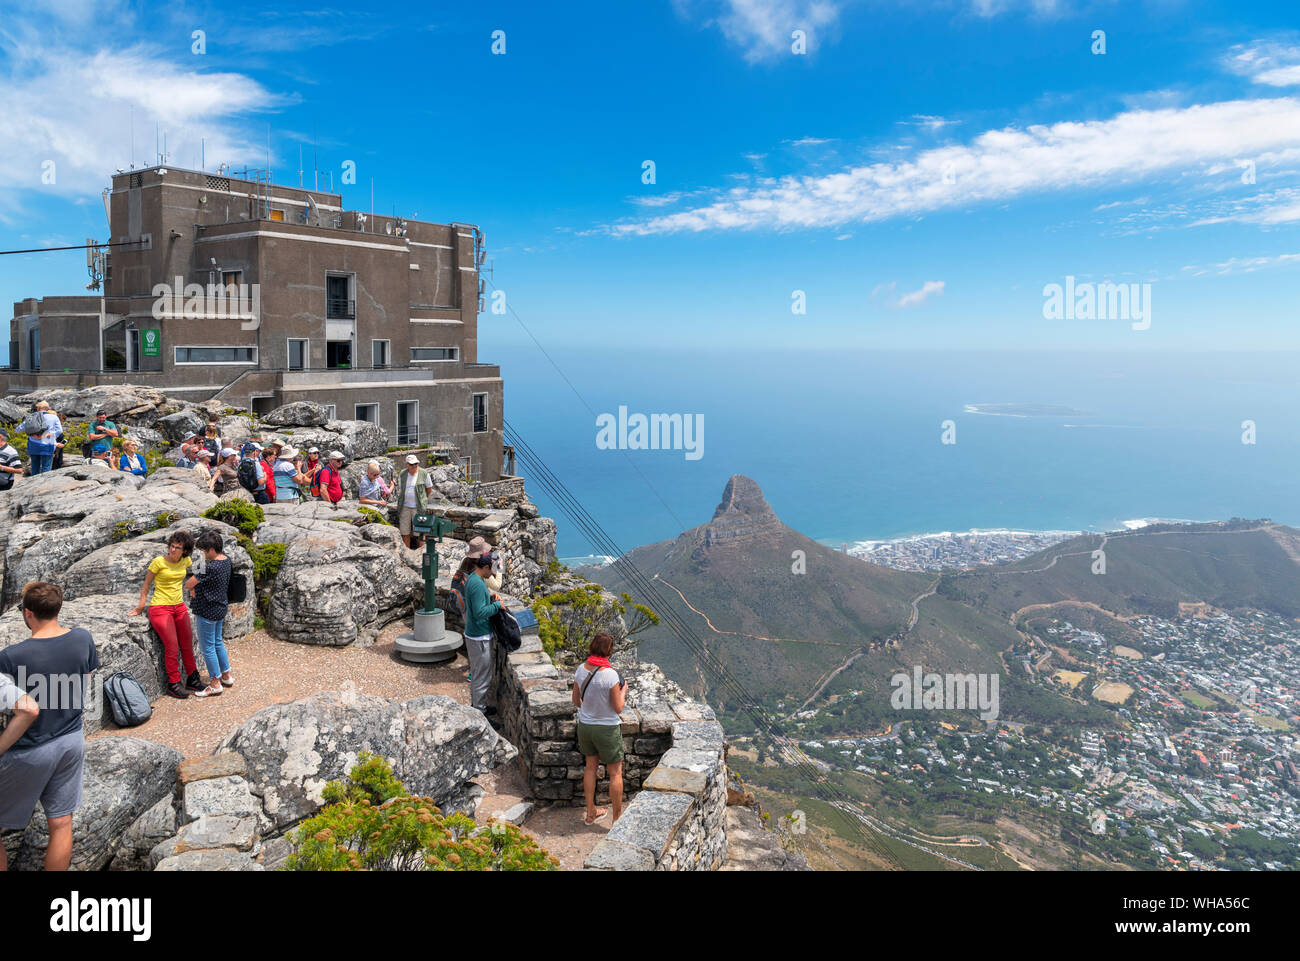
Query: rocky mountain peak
[{"x": 743, "y": 513}]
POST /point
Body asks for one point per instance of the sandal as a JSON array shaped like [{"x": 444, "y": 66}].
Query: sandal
[
  {"x": 227, "y": 683},
  {"x": 600, "y": 813},
  {"x": 210, "y": 691}
]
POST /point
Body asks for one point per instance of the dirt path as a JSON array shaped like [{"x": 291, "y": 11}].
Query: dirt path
[{"x": 757, "y": 637}]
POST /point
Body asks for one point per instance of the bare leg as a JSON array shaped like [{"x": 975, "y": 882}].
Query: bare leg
[
  {"x": 589, "y": 785},
  {"x": 616, "y": 787},
  {"x": 59, "y": 854}
]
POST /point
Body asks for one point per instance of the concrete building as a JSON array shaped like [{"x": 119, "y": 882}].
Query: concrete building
[{"x": 262, "y": 294}]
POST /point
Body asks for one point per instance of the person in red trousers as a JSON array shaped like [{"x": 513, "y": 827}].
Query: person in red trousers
[{"x": 169, "y": 616}]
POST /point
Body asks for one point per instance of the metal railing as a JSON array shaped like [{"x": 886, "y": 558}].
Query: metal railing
[{"x": 340, "y": 308}]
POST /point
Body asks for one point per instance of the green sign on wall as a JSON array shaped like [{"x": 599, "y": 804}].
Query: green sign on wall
[{"x": 152, "y": 343}]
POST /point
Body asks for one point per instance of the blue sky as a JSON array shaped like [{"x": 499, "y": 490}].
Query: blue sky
[{"x": 921, "y": 172}]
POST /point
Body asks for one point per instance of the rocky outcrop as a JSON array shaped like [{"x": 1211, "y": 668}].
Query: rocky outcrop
[
  {"x": 750, "y": 847},
  {"x": 743, "y": 515},
  {"x": 362, "y": 437},
  {"x": 57, "y": 518},
  {"x": 128, "y": 403},
  {"x": 176, "y": 427},
  {"x": 299, "y": 414},
  {"x": 148, "y": 831},
  {"x": 124, "y": 778},
  {"x": 11, "y": 413},
  {"x": 435, "y": 745}
]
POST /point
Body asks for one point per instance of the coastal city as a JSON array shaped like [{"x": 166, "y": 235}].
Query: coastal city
[
  {"x": 1190, "y": 763},
  {"x": 944, "y": 550}
]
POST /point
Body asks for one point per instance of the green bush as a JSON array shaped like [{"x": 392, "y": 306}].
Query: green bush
[
  {"x": 373, "y": 516},
  {"x": 370, "y": 824},
  {"x": 267, "y": 559},
  {"x": 568, "y": 620},
  {"x": 237, "y": 513}
]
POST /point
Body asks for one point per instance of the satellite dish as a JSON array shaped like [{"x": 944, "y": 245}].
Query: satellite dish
[
  {"x": 313, "y": 212},
  {"x": 388, "y": 229}
]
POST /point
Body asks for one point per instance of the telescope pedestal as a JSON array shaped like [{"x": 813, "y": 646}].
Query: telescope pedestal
[{"x": 430, "y": 642}]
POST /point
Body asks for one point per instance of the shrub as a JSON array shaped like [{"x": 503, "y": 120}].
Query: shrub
[
  {"x": 568, "y": 620},
  {"x": 370, "y": 824},
  {"x": 165, "y": 519},
  {"x": 237, "y": 513},
  {"x": 267, "y": 559}
]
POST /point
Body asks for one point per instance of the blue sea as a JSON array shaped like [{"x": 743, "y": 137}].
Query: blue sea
[{"x": 847, "y": 446}]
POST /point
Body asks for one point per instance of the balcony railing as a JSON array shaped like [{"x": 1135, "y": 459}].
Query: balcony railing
[{"x": 339, "y": 308}]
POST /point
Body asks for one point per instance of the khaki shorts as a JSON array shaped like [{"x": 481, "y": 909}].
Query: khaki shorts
[
  {"x": 603, "y": 739},
  {"x": 404, "y": 518}
]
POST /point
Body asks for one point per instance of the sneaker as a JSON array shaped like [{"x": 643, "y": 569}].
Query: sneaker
[
  {"x": 178, "y": 690},
  {"x": 194, "y": 682}
]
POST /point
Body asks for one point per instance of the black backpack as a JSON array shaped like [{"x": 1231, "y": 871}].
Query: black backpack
[
  {"x": 248, "y": 474},
  {"x": 127, "y": 700},
  {"x": 505, "y": 629},
  {"x": 237, "y": 589}
]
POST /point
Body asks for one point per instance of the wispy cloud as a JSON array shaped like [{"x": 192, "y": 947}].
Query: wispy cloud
[
  {"x": 1275, "y": 63},
  {"x": 931, "y": 288},
  {"x": 998, "y": 165},
  {"x": 762, "y": 29},
  {"x": 1244, "y": 265}
]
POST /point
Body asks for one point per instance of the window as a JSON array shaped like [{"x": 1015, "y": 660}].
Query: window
[
  {"x": 408, "y": 422},
  {"x": 480, "y": 413},
  {"x": 367, "y": 412},
  {"x": 339, "y": 304},
  {"x": 434, "y": 353},
  {"x": 277, "y": 214},
  {"x": 34, "y": 349},
  {"x": 331, "y": 411},
  {"x": 298, "y": 353},
  {"x": 338, "y": 354},
  {"x": 379, "y": 353},
  {"x": 231, "y": 278},
  {"x": 216, "y": 355}
]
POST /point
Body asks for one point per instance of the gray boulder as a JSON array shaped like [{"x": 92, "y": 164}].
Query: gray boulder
[
  {"x": 124, "y": 777},
  {"x": 335, "y": 588},
  {"x": 301, "y": 413},
  {"x": 366, "y": 439},
  {"x": 292, "y": 750},
  {"x": 11, "y": 413},
  {"x": 304, "y": 438},
  {"x": 176, "y": 427},
  {"x": 125, "y": 403},
  {"x": 148, "y": 831}
]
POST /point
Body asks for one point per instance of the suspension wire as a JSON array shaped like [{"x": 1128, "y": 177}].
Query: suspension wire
[{"x": 600, "y": 539}]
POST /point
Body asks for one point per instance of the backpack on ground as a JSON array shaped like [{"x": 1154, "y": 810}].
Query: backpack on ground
[
  {"x": 88, "y": 449},
  {"x": 127, "y": 700},
  {"x": 458, "y": 588},
  {"x": 247, "y": 474},
  {"x": 505, "y": 630},
  {"x": 34, "y": 423}
]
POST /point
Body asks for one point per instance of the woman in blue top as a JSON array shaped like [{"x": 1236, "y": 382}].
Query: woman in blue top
[
  {"x": 286, "y": 475},
  {"x": 131, "y": 462},
  {"x": 40, "y": 447}
]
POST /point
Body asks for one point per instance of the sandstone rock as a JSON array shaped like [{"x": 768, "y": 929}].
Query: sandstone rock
[
  {"x": 214, "y": 831},
  {"x": 219, "y": 795},
  {"x": 11, "y": 413},
  {"x": 365, "y": 438},
  {"x": 125, "y": 403},
  {"x": 176, "y": 427},
  {"x": 274, "y": 852},
  {"x": 435, "y": 745},
  {"x": 124, "y": 777},
  {"x": 219, "y": 859},
  {"x": 146, "y": 437},
  {"x": 327, "y": 440},
  {"x": 335, "y": 588},
  {"x": 465, "y": 801},
  {"x": 145, "y": 833},
  {"x": 228, "y": 764},
  {"x": 751, "y": 848},
  {"x": 298, "y": 414}
]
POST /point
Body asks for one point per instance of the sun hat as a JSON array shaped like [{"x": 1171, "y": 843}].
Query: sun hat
[
  {"x": 289, "y": 453},
  {"x": 412, "y": 459},
  {"x": 335, "y": 455},
  {"x": 478, "y": 547},
  {"x": 228, "y": 452},
  {"x": 203, "y": 453},
  {"x": 313, "y": 450}
]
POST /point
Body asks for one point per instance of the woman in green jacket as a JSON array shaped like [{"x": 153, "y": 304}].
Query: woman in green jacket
[{"x": 480, "y": 605}]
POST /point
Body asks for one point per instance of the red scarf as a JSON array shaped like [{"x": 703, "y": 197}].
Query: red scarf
[{"x": 596, "y": 663}]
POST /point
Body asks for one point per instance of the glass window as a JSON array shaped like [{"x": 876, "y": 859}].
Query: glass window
[
  {"x": 216, "y": 355},
  {"x": 480, "y": 413},
  {"x": 408, "y": 422},
  {"x": 367, "y": 412},
  {"x": 379, "y": 353},
  {"x": 297, "y": 354},
  {"x": 434, "y": 353}
]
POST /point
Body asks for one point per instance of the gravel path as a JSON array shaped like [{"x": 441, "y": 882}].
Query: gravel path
[{"x": 267, "y": 671}]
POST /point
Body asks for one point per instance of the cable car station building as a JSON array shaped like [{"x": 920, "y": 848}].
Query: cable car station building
[{"x": 261, "y": 294}]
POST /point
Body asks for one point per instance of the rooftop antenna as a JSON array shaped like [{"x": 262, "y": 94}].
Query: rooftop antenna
[
  {"x": 315, "y": 166},
  {"x": 132, "y": 136},
  {"x": 372, "y": 202},
  {"x": 299, "y": 166},
  {"x": 203, "y": 154}
]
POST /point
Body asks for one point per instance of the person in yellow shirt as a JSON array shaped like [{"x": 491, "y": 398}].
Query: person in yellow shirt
[{"x": 168, "y": 614}]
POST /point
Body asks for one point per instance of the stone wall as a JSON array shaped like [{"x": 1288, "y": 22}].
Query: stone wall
[
  {"x": 674, "y": 766},
  {"x": 526, "y": 543}
]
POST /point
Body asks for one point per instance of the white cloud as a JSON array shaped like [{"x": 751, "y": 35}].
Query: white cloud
[
  {"x": 1275, "y": 63},
  {"x": 763, "y": 28},
  {"x": 1244, "y": 265},
  {"x": 76, "y": 104},
  {"x": 928, "y": 289},
  {"x": 809, "y": 141},
  {"x": 999, "y": 165}
]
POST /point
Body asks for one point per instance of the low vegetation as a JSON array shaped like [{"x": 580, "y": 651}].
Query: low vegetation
[
  {"x": 568, "y": 620},
  {"x": 237, "y": 513},
  {"x": 371, "y": 823}
]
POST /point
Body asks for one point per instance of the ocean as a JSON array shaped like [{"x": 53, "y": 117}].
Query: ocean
[{"x": 849, "y": 446}]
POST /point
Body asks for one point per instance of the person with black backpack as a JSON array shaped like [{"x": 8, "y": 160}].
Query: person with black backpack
[
  {"x": 252, "y": 475},
  {"x": 210, "y": 591},
  {"x": 480, "y": 605}
]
